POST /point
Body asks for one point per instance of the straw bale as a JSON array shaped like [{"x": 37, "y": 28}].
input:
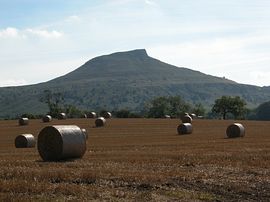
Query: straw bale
[
  {"x": 62, "y": 116},
  {"x": 46, "y": 118},
  {"x": 235, "y": 130},
  {"x": 23, "y": 121},
  {"x": 100, "y": 121},
  {"x": 85, "y": 133},
  {"x": 25, "y": 141},
  {"x": 106, "y": 115},
  {"x": 60, "y": 142},
  {"x": 193, "y": 116},
  {"x": 186, "y": 119},
  {"x": 184, "y": 128},
  {"x": 92, "y": 115},
  {"x": 84, "y": 116}
]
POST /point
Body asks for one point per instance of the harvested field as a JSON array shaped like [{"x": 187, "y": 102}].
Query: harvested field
[{"x": 141, "y": 160}]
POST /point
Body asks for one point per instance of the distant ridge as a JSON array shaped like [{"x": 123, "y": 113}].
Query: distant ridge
[
  {"x": 126, "y": 80},
  {"x": 135, "y": 63}
]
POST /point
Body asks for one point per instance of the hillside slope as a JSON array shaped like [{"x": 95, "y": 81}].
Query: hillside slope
[{"x": 126, "y": 80}]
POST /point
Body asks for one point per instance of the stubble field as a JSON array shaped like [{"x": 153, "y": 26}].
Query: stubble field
[{"x": 141, "y": 160}]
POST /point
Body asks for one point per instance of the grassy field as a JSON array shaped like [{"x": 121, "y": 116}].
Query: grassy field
[{"x": 141, "y": 160}]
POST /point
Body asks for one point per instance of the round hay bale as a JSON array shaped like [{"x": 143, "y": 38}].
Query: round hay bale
[
  {"x": 23, "y": 121},
  {"x": 61, "y": 142},
  {"x": 46, "y": 118},
  {"x": 84, "y": 116},
  {"x": 106, "y": 115},
  {"x": 193, "y": 116},
  {"x": 167, "y": 116},
  {"x": 184, "y": 128},
  {"x": 25, "y": 141},
  {"x": 92, "y": 115},
  {"x": 235, "y": 130},
  {"x": 85, "y": 133},
  {"x": 186, "y": 119},
  {"x": 62, "y": 116},
  {"x": 100, "y": 121}
]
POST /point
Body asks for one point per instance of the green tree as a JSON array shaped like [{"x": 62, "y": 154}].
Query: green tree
[
  {"x": 239, "y": 109},
  {"x": 199, "y": 109},
  {"x": 123, "y": 113},
  {"x": 72, "y": 111},
  {"x": 126, "y": 113},
  {"x": 229, "y": 105},
  {"x": 158, "y": 107},
  {"x": 177, "y": 106},
  {"x": 54, "y": 100},
  {"x": 263, "y": 111},
  {"x": 173, "y": 106}
]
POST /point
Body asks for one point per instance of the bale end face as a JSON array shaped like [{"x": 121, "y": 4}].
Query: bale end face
[
  {"x": 46, "y": 118},
  {"x": 184, "y": 128},
  {"x": 83, "y": 116},
  {"x": 106, "y": 115},
  {"x": 25, "y": 141},
  {"x": 50, "y": 144},
  {"x": 92, "y": 115},
  {"x": 193, "y": 116},
  {"x": 100, "y": 121},
  {"x": 235, "y": 130},
  {"x": 62, "y": 116},
  {"x": 85, "y": 133},
  {"x": 23, "y": 121},
  {"x": 186, "y": 119}
]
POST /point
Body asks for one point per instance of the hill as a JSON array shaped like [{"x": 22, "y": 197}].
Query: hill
[{"x": 126, "y": 80}]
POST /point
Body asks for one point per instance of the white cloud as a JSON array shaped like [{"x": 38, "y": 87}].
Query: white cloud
[
  {"x": 151, "y": 3},
  {"x": 232, "y": 57},
  {"x": 9, "y": 32},
  {"x": 33, "y": 70},
  {"x": 44, "y": 33},
  {"x": 261, "y": 77}
]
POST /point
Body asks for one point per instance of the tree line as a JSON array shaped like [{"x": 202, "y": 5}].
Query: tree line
[{"x": 225, "y": 107}]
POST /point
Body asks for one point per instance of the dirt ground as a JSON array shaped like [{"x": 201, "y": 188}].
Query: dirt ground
[{"x": 141, "y": 160}]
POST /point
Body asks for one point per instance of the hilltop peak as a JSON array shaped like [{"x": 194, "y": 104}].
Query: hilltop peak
[
  {"x": 133, "y": 52},
  {"x": 135, "y": 65},
  {"x": 137, "y": 53}
]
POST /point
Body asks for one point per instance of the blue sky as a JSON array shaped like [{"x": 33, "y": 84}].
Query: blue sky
[{"x": 43, "y": 39}]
